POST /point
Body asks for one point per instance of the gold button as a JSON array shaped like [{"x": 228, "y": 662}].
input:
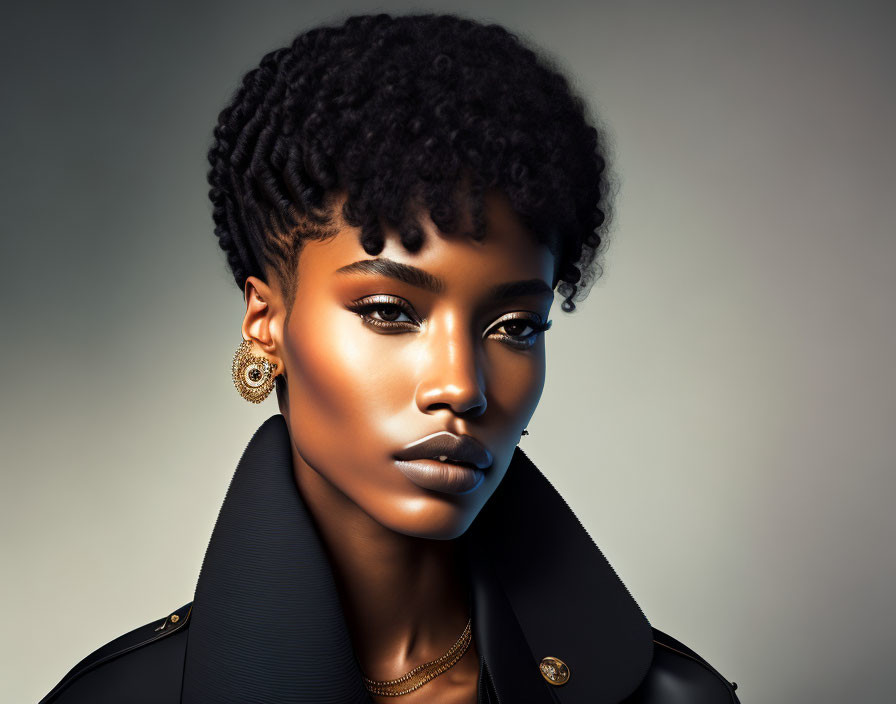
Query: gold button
[
  {"x": 175, "y": 618},
  {"x": 554, "y": 670}
]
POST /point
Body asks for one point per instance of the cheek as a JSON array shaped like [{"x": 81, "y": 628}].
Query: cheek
[
  {"x": 341, "y": 386},
  {"x": 516, "y": 383}
]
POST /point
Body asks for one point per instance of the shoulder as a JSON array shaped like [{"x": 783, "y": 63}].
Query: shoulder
[
  {"x": 143, "y": 665},
  {"x": 678, "y": 675}
]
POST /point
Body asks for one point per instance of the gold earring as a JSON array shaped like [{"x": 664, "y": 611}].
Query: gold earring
[{"x": 253, "y": 376}]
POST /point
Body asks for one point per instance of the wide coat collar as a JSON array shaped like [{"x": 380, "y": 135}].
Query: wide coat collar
[{"x": 267, "y": 624}]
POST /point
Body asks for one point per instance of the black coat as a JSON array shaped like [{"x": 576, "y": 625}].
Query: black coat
[{"x": 266, "y": 625}]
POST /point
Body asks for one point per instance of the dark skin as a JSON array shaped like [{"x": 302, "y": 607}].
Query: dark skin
[{"x": 358, "y": 392}]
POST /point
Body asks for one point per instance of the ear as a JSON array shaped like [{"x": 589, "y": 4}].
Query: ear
[{"x": 263, "y": 322}]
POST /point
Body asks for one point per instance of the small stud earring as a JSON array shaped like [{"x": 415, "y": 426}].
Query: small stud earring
[{"x": 253, "y": 376}]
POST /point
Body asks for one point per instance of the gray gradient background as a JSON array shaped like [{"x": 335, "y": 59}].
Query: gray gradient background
[{"x": 719, "y": 412}]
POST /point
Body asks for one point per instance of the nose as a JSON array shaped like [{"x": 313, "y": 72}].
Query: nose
[{"x": 453, "y": 377}]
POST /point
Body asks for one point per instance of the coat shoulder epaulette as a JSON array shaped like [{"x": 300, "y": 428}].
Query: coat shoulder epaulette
[
  {"x": 138, "y": 638},
  {"x": 678, "y": 675}
]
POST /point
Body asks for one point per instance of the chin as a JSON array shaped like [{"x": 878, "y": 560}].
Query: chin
[{"x": 433, "y": 517}]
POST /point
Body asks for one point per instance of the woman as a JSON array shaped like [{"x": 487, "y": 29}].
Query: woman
[{"x": 398, "y": 198}]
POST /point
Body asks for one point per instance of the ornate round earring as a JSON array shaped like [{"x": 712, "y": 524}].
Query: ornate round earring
[{"x": 253, "y": 376}]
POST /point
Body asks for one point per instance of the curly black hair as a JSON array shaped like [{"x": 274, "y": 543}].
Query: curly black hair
[{"x": 404, "y": 112}]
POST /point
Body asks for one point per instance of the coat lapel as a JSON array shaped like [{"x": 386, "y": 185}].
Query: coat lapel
[
  {"x": 561, "y": 593},
  {"x": 267, "y": 624}
]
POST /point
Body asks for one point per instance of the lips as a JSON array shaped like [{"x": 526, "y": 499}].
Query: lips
[
  {"x": 460, "y": 472},
  {"x": 457, "y": 449}
]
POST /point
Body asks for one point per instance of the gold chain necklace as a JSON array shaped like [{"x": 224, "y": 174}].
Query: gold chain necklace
[{"x": 422, "y": 674}]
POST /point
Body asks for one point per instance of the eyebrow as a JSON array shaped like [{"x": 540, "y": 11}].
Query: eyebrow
[
  {"x": 423, "y": 279},
  {"x": 395, "y": 270},
  {"x": 515, "y": 289}
]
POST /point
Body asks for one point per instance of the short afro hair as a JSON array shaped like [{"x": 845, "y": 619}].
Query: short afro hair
[{"x": 401, "y": 112}]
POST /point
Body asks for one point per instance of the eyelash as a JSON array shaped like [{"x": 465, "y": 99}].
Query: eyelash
[{"x": 364, "y": 306}]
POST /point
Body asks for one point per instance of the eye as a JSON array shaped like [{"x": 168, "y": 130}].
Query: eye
[
  {"x": 515, "y": 327},
  {"x": 389, "y": 310}
]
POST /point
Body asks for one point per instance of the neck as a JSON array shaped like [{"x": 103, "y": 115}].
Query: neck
[{"x": 404, "y": 598}]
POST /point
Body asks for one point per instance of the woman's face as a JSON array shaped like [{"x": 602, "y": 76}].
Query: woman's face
[{"x": 376, "y": 360}]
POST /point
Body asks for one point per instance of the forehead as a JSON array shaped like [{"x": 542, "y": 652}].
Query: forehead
[{"x": 508, "y": 252}]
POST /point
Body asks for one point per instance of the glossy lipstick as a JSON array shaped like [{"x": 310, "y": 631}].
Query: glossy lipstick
[{"x": 445, "y": 462}]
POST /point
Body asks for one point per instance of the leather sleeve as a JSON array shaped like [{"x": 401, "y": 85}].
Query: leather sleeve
[
  {"x": 143, "y": 665},
  {"x": 678, "y": 675}
]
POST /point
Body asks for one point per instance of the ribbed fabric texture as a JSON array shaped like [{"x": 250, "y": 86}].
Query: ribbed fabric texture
[{"x": 267, "y": 622}]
